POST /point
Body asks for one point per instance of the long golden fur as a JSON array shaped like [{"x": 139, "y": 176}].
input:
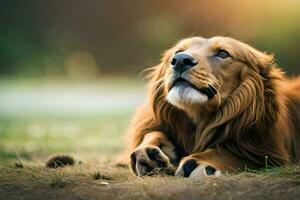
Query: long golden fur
[{"x": 253, "y": 119}]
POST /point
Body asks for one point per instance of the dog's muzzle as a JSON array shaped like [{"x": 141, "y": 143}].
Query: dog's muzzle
[{"x": 209, "y": 91}]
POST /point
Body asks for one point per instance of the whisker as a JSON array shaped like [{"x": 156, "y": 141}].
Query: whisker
[
  {"x": 147, "y": 70},
  {"x": 158, "y": 81},
  {"x": 158, "y": 89}
]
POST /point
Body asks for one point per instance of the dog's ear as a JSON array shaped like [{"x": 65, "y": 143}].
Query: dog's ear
[
  {"x": 156, "y": 73},
  {"x": 260, "y": 62},
  {"x": 157, "y": 85}
]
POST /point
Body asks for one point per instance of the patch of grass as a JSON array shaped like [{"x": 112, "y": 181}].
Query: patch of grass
[
  {"x": 37, "y": 135},
  {"x": 34, "y": 138},
  {"x": 291, "y": 170},
  {"x": 108, "y": 82},
  {"x": 98, "y": 176},
  {"x": 18, "y": 165},
  {"x": 296, "y": 182},
  {"x": 58, "y": 181}
]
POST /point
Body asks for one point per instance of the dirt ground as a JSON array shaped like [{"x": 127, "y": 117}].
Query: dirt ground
[{"x": 94, "y": 181}]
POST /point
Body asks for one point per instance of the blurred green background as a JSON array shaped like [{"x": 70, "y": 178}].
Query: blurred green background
[
  {"x": 79, "y": 38},
  {"x": 69, "y": 69}
]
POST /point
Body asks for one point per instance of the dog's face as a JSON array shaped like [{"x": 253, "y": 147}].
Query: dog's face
[{"x": 201, "y": 73}]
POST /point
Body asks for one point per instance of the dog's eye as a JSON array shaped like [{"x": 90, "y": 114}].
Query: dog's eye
[{"x": 223, "y": 54}]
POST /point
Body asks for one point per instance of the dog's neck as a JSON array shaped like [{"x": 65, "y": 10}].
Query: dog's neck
[{"x": 199, "y": 115}]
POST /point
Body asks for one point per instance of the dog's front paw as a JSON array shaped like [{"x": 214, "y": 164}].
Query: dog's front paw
[
  {"x": 193, "y": 168},
  {"x": 148, "y": 160}
]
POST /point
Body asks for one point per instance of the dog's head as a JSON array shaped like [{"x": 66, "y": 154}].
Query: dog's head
[{"x": 199, "y": 73}]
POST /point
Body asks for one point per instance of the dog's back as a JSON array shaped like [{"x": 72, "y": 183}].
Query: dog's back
[{"x": 292, "y": 91}]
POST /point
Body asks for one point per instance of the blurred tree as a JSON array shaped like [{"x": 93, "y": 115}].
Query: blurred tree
[{"x": 38, "y": 37}]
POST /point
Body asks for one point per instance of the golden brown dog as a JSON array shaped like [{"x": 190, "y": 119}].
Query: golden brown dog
[{"x": 216, "y": 105}]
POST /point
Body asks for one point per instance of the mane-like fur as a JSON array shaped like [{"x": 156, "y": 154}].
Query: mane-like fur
[{"x": 248, "y": 123}]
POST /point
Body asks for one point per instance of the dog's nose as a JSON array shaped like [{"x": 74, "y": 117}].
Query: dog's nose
[{"x": 182, "y": 62}]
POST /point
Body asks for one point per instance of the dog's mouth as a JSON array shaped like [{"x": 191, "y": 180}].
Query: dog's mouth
[{"x": 209, "y": 91}]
